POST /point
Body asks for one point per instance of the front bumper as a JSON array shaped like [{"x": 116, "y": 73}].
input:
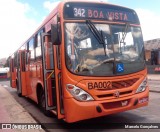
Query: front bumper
[{"x": 76, "y": 111}]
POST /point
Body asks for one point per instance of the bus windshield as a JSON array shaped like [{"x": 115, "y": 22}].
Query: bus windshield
[{"x": 97, "y": 51}]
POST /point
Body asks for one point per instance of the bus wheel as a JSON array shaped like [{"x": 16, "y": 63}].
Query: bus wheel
[
  {"x": 42, "y": 104},
  {"x": 19, "y": 94}
]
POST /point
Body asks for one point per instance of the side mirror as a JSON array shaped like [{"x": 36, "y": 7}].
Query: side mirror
[{"x": 56, "y": 34}]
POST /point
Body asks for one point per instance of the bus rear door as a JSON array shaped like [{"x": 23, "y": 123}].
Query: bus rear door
[
  {"x": 21, "y": 73},
  {"x": 12, "y": 74}
]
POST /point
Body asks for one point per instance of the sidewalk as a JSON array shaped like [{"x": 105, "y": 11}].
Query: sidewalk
[
  {"x": 12, "y": 112},
  {"x": 155, "y": 86},
  {"x": 155, "y": 77}
]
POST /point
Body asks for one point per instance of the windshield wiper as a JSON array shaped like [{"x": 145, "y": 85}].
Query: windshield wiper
[{"x": 98, "y": 35}]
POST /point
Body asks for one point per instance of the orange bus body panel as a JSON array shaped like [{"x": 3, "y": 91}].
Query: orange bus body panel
[
  {"x": 13, "y": 83},
  {"x": 14, "y": 77},
  {"x": 23, "y": 84}
]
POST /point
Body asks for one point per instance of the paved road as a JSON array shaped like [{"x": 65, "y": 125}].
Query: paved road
[{"x": 149, "y": 114}]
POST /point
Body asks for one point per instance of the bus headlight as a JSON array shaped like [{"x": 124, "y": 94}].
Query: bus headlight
[
  {"x": 142, "y": 87},
  {"x": 78, "y": 93}
]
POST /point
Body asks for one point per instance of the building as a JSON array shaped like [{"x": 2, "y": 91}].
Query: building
[
  {"x": 152, "y": 51},
  {"x": 3, "y": 62}
]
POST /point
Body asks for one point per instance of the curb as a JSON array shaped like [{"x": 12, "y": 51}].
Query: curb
[
  {"x": 154, "y": 91},
  {"x": 153, "y": 80}
]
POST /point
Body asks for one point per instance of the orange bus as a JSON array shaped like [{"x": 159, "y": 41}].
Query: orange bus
[{"x": 86, "y": 60}]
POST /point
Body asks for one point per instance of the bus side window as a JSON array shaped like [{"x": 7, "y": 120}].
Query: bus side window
[
  {"x": 23, "y": 61},
  {"x": 12, "y": 64},
  {"x": 49, "y": 52},
  {"x": 27, "y": 53},
  {"x": 38, "y": 45},
  {"x": 31, "y": 49},
  {"x": 15, "y": 59}
]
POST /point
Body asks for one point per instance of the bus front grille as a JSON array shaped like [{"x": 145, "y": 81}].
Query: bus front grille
[
  {"x": 112, "y": 95},
  {"x": 124, "y": 83}
]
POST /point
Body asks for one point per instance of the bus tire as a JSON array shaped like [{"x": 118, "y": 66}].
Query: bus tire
[
  {"x": 19, "y": 95},
  {"x": 42, "y": 104}
]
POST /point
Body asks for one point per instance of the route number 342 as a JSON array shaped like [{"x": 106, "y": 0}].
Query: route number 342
[{"x": 79, "y": 12}]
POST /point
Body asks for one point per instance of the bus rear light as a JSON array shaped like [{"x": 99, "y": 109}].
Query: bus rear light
[
  {"x": 78, "y": 93},
  {"x": 142, "y": 86}
]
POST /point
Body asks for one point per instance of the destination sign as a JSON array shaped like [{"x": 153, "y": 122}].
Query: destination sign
[{"x": 95, "y": 11}]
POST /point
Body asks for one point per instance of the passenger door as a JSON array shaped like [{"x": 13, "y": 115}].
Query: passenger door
[
  {"x": 21, "y": 73},
  {"x": 51, "y": 76},
  {"x": 12, "y": 74}
]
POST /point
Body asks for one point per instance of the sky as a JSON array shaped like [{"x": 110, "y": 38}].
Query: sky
[{"x": 20, "y": 18}]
